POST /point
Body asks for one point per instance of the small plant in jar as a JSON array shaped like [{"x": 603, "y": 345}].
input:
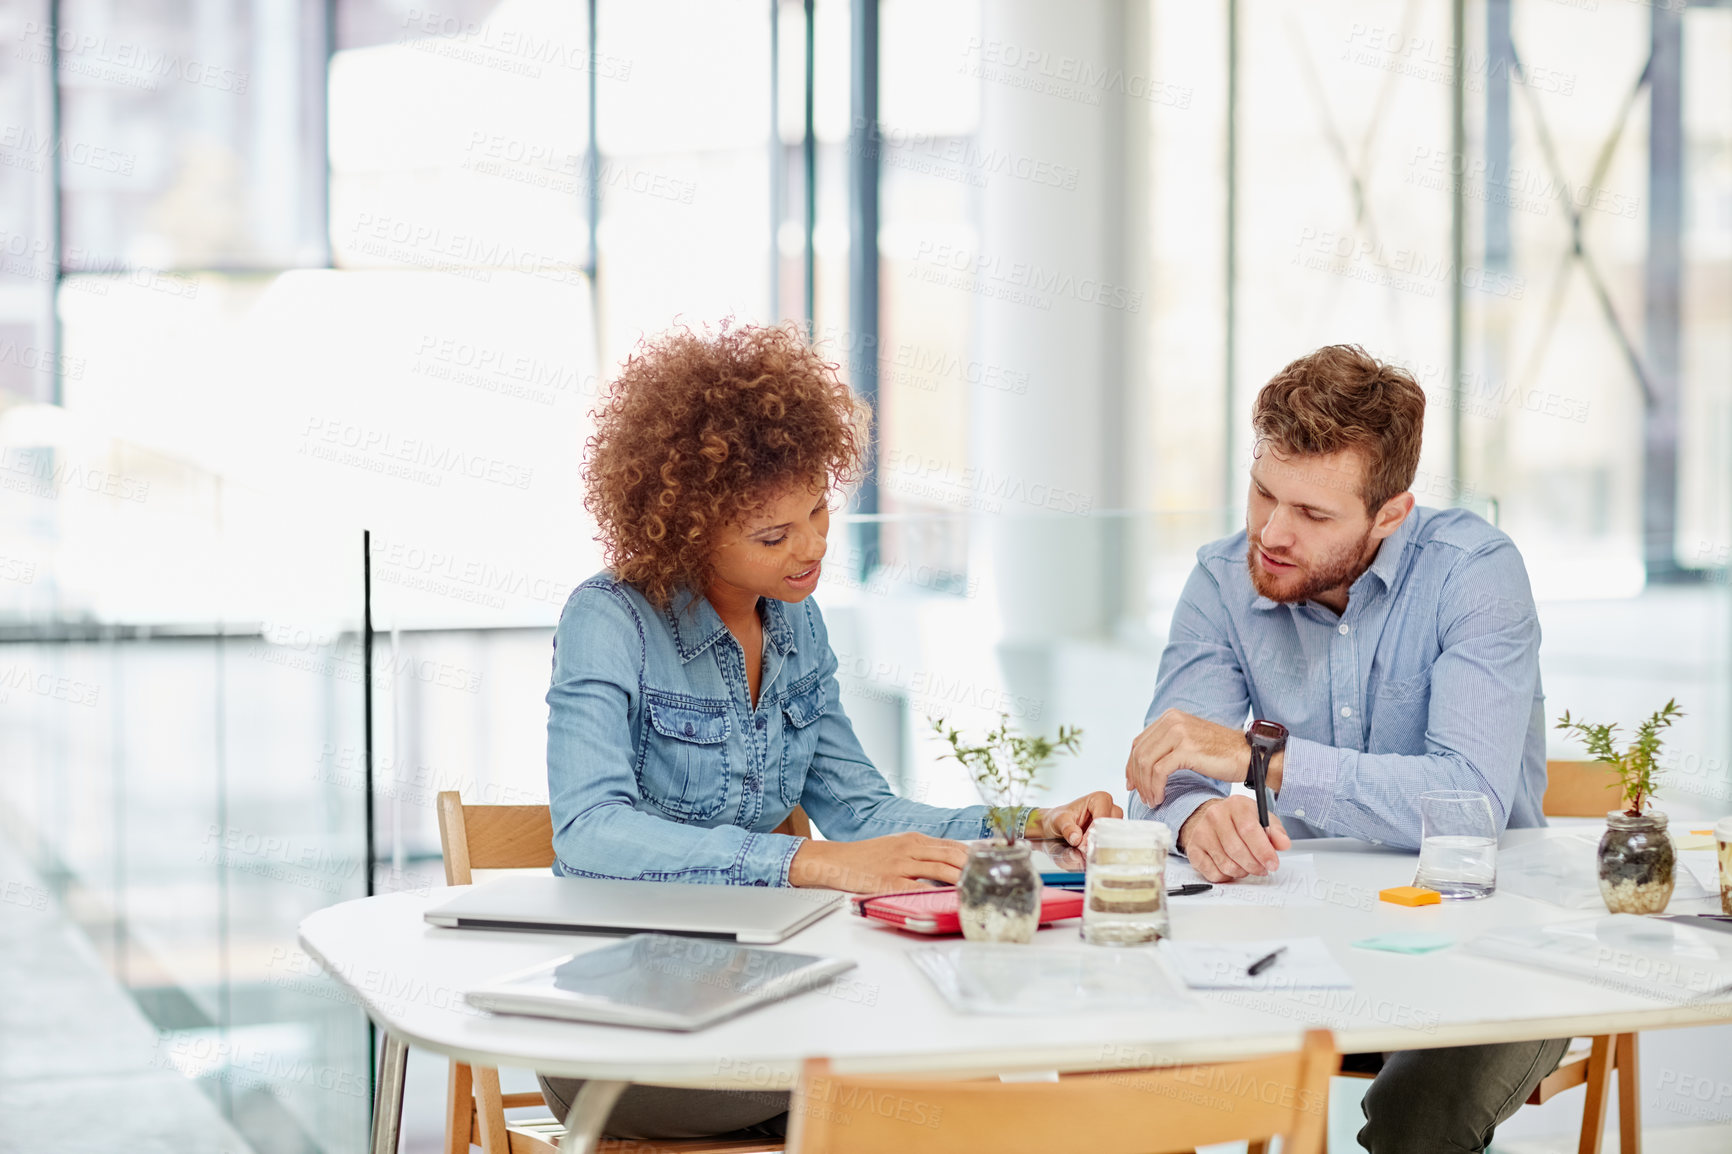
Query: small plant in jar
[
  {"x": 1637, "y": 865},
  {"x": 999, "y": 894}
]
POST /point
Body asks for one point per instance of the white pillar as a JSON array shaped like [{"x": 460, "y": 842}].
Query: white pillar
[{"x": 1059, "y": 295}]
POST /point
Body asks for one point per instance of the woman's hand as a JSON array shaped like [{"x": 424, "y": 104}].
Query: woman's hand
[
  {"x": 902, "y": 861},
  {"x": 1071, "y": 820}
]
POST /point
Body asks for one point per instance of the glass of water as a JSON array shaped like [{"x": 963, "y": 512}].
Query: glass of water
[
  {"x": 1125, "y": 882},
  {"x": 1458, "y": 844}
]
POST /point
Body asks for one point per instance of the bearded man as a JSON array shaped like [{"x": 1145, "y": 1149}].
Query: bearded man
[{"x": 1397, "y": 646}]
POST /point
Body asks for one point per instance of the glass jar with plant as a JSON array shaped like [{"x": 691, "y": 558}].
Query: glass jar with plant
[
  {"x": 999, "y": 894},
  {"x": 1637, "y": 865}
]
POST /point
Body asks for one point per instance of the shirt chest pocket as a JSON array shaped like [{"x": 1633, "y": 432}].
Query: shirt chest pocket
[
  {"x": 801, "y": 710},
  {"x": 684, "y": 767},
  {"x": 1402, "y": 707}
]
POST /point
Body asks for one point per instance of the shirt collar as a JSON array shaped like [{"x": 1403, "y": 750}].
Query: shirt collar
[
  {"x": 696, "y": 625},
  {"x": 1388, "y": 559},
  {"x": 777, "y": 627}
]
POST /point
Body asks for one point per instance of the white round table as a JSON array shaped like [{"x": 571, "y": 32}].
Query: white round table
[{"x": 885, "y": 1016}]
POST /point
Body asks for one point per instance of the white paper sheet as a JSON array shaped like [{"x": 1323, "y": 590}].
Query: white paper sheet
[
  {"x": 1305, "y": 964},
  {"x": 1704, "y": 866},
  {"x": 990, "y": 978},
  {"x": 1294, "y": 884}
]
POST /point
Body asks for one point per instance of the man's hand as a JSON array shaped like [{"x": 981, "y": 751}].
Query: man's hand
[
  {"x": 1179, "y": 740},
  {"x": 1224, "y": 841},
  {"x": 901, "y": 861},
  {"x": 1069, "y": 821}
]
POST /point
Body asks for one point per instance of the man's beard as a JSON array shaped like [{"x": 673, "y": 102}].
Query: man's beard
[{"x": 1340, "y": 568}]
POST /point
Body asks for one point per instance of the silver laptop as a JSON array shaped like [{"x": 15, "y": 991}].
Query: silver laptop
[{"x": 755, "y": 915}]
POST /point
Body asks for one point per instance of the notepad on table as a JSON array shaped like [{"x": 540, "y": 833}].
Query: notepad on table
[
  {"x": 1294, "y": 884},
  {"x": 1305, "y": 964}
]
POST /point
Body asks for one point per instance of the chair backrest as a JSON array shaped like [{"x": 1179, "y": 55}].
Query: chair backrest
[
  {"x": 1580, "y": 789},
  {"x": 492, "y": 837},
  {"x": 505, "y": 837},
  {"x": 1140, "y": 1111}
]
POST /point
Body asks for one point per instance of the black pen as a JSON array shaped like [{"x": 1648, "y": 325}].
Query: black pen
[
  {"x": 1264, "y": 962},
  {"x": 1189, "y": 889}
]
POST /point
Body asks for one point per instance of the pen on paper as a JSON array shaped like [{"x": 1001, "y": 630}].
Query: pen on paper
[{"x": 1264, "y": 962}]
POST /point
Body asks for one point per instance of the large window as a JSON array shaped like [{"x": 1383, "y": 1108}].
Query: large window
[{"x": 273, "y": 272}]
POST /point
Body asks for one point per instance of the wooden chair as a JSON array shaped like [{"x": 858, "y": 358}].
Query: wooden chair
[
  {"x": 1588, "y": 789},
  {"x": 1116, "y": 1112},
  {"x": 473, "y": 837}
]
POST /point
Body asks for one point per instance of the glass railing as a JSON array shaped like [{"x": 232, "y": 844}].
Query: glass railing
[{"x": 181, "y": 706}]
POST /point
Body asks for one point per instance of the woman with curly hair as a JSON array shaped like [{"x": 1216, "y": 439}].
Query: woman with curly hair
[{"x": 694, "y": 701}]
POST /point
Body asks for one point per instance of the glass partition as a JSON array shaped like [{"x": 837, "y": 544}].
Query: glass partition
[
  {"x": 181, "y": 699},
  {"x": 1052, "y": 620}
]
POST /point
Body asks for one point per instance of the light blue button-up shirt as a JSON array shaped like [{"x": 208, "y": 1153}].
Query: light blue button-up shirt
[
  {"x": 660, "y": 768},
  {"x": 1429, "y": 680}
]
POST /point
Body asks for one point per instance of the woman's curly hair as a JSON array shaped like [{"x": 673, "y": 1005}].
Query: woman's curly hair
[{"x": 700, "y": 429}]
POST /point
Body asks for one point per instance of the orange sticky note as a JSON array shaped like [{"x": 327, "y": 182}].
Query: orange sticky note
[{"x": 1410, "y": 896}]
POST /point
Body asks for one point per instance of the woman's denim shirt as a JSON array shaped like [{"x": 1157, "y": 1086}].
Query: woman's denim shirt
[{"x": 658, "y": 767}]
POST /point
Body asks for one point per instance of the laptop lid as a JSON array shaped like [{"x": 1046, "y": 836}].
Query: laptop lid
[{"x": 755, "y": 915}]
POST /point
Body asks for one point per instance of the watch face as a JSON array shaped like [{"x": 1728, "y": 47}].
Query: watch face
[{"x": 1268, "y": 731}]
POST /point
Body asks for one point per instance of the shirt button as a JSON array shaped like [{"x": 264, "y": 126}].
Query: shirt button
[
  {"x": 760, "y": 723},
  {"x": 690, "y": 729},
  {"x": 760, "y": 882},
  {"x": 1343, "y": 630},
  {"x": 1346, "y": 711},
  {"x": 1300, "y": 812}
]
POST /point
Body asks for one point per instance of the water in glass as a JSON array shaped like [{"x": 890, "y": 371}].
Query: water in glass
[{"x": 1458, "y": 846}]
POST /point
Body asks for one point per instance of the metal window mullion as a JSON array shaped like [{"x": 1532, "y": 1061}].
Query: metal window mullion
[
  {"x": 809, "y": 165},
  {"x": 1457, "y": 237},
  {"x": 863, "y": 165},
  {"x": 56, "y": 209},
  {"x": 1229, "y": 367},
  {"x": 1663, "y": 295}
]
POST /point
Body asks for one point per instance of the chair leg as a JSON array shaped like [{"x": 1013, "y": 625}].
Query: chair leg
[
  {"x": 1599, "y": 1085},
  {"x": 459, "y": 1109},
  {"x": 1629, "y": 1095},
  {"x": 490, "y": 1108}
]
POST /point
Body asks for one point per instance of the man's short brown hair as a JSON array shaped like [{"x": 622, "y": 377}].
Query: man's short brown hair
[{"x": 1342, "y": 397}]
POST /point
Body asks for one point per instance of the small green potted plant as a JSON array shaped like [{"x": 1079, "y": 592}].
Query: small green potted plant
[
  {"x": 999, "y": 894},
  {"x": 1637, "y": 865}
]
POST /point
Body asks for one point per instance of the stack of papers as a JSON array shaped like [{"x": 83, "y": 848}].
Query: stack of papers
[
  {"x": 1669, "y": 960},
  {"x": 1305, "y": 964},
  {"x": 1561, "y": 869}
]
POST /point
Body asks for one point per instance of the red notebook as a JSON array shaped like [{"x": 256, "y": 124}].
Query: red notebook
[{"x": 933, "y": 911}]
